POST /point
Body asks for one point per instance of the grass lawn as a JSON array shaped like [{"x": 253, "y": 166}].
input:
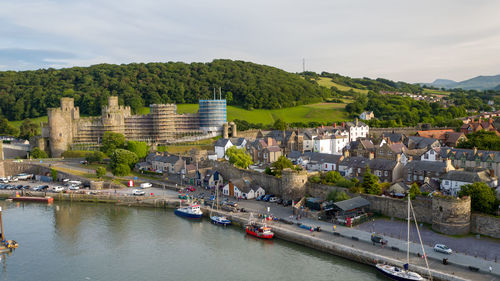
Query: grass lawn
[
  {"x": 327, "y": 82},
  {"x": 436, "y": 92},
  {"x": 37, "y": 120}
]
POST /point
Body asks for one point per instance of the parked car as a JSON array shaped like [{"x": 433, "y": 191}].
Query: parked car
[
  {"x": 19, "y": 186},
  {"x": 137, "y": 192},
  {"x": 268, "y": 197},
  {"x": 146, "y": 185},
  {"x": 231, "y": 203},
  {"x": 280, "y": 201},
  {"x": 57, "y": 188},
  {"x": 4, "y": 180},
  {"x": 40, "y": 187},
  {"x": 378, "y": 239},
  {"x": 24, "y": 176},
  {"x": 273, "y": 199},
  {"x": 13, "y": 179},
  {"x": 259, "y": 198},
  {"x": 74, "y": 187},
  {"x": 442, "y": 249},
  {"x": 84, "y": 162},
  {"x": 26, "y": 187}
]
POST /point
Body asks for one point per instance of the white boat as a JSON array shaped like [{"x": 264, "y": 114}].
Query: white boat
[
  {"x": 191, "y": 212},
  {"x": 404, "y": 274},
  {"x": 221, "y": 220}
]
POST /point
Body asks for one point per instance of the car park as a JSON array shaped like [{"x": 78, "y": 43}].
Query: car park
[
  {"x": 137, "y": 192},
  {"x": 441, "y": 248}
]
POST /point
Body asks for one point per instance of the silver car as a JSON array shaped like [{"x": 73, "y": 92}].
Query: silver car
[{"x": 442, "y": 249}]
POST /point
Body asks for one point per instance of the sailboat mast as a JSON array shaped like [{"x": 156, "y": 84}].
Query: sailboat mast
[
  {"x": 217, "y": 196},
  {"x": 408, "y": 234}
]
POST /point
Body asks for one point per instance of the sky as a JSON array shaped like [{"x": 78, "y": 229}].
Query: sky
[{"x": 412, "y": 41}]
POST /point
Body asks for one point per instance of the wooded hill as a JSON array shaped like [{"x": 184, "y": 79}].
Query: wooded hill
[{"x": 28, "y": 94}]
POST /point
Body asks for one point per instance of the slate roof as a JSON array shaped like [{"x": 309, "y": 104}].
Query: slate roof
[
  {"x": 353, "y": 124},
  {"x": 468, "y": 154},
  {"x": 243, "y": 184},
  {"x": 399, "y": 187},
  {"x": 324, "y": 157},
  {"x": 374, "y": 164},
  {"x": 469, "y": 176},
  {"x": 414, "y": 142},
  {"x": 353, "y": 203},
  {"x": 294, "y": 155},
  {"x": 397, "y": 147},
  {"x": 172, "y": 159},
  {"x": 393, "y": 137},
  {"x": 426, "y": 166},
  {"x": 222, "y": 142},
  {"x": 273, "y": 148},
  {"x": 453, "y": 137},
  {"x": 237, "y": 141}
]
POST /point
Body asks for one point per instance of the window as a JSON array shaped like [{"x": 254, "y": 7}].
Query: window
[
  {"x": 432, "y": 152},
  {"x": 386, "y": 173},
  {"x": 426, "y": 156},
  {"x": 359, "y": 170},
  {"x": 409, "y": 177}
]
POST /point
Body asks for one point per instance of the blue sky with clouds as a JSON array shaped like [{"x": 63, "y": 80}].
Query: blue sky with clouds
[{"x": 413, "y": 41}]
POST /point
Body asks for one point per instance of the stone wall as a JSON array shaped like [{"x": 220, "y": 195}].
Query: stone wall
[
  {"x": 451, "y": 215},
  {"x": 485, "y": 225},
  {"x": 321, "y": 190},
  {"x": 397, "y": 208},
  {"x": 409, "y": 131},
  {"x": 269, "y": 183}
]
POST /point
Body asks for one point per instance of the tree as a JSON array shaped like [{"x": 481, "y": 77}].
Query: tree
[
  {"x": 28, "y": 129},
  {"x": 100, "y": 172},
  {"x": 239, "y": 157},
  {"x": 140, "y": 148},
  {"x": 96, "y": 156},
  {"x": 414, "y": 190},
  {"x": 53, "y": 173},
  {"x": 112, "y": 141},
  {"x": 280, "y": 125},
  {"x": 332, "y": 176},
  {"x": 484, "y": 140},
  {"x": 280, "y": 164},
  {"x": 370, "y": 183},
  {"x": 120, "y": 158},
  {"x": 37, "y": 153},
  {"x": 482, "y": 196},
  {"x": 336, "y": 196},
  {"x": 6, "y": 128}
]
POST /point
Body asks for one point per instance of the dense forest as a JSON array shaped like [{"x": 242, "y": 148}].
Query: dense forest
[{"x": 28, "y": 94}]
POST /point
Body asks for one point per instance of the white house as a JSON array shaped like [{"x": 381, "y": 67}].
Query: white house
[
  {"x": 367, "y": 115},
  {"x": 433, "y": 154},
  {"x": 231, "y": 190},
  {"x": 221, "y": 145},
  {"x": 455, "y": 179},
  {"x": 323, "y": 144},
  {"x": 259, "y": 191},
  {"x": 339, "y": 142},
  {"x": 357, "y": 129},
  {"x": 239, "y": 188},
  {"x": 323, "y": 162},
  {"x": 308, "y": 141}
]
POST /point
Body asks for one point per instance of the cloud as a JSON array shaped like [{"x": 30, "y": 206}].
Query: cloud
[
  {"x": 400, "y": 40},
  {"x": 24, "y": 59}
]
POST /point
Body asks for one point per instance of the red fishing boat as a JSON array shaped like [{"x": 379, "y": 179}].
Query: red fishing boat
[{"x": 263, "y": 232}]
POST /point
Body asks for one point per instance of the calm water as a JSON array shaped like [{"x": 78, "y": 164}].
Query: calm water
[{"x": 104, "y": 242}]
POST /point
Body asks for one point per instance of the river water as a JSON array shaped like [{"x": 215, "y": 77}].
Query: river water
[{"x": 85, "y": 241}]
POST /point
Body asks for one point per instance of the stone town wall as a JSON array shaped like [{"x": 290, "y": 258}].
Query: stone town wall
[
  {"x": 321, "y": 190},
  {"x": 451, "y": 215},
  {"x": 397, "y": 208},
  {"x": 485, "y": 225},
  {"x": 409, "y": 131},
  {"x": 269, "y": 183}
]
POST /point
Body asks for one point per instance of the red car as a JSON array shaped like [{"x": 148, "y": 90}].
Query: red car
[{"x": 190, "y": 188}]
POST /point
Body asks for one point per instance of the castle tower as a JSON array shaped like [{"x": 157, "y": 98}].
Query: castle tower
[
  {"x": 113, "y": 116},
  {"x": 451, "y": 215},
  {"x": 234, "y": 132},
  {"x": 163, "y": 116},
  {"x": 62, "y": 126},
  {"x": 225, "y": 130},
  {"x": 293, "y": 183}
]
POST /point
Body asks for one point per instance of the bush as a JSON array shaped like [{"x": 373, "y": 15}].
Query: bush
[
  {"x": 112, "y": 141},
  {"x": 100, "y": 172},
  {"x": 140, "y": 148},
  {"x": 53, "y": 173},
  {"x": 75, "y": 153},
  {"x": 37, "y": 153},
  {"x": 96, "y": 156},
  {"x": 336, "y": 196},
  {"x": 482, "y": 197},
  {"x": 315, "y": 179},
  {"x": 121, "y": 170}
]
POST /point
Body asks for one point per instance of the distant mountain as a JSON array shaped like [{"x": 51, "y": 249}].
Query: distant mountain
[{"x": 479, "y": 83}]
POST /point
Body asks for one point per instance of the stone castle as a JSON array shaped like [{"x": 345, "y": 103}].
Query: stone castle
[{"x": 66, "y": 128}]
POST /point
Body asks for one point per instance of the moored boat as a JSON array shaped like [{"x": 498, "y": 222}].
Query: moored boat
[
  {"x": 263, "y": 232},
  {"x": 191, "y": 212},
  {"x": 397, "y": 273},
  {"x": 222, "y": 220}
]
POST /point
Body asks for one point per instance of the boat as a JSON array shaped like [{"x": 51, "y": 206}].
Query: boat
[
  {"x": 263, "y": 232},
  {"x": 218, "y": 219},
  {"x": 191, "y": 212},
  {"x": 404, "y": 274}
]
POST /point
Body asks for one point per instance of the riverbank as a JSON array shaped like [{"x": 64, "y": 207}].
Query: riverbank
[{"x": 347, "y": 247}]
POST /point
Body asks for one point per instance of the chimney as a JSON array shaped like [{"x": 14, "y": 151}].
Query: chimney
[
  {"x": 343, "y": 124},
  {"x": 335, "y": 125},
  {"x": 356, "y": 122}
]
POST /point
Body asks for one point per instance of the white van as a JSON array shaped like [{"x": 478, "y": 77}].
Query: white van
[{"x": 146, "y": 185}]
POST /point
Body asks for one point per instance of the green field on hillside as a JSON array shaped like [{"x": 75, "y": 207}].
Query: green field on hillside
[
  {"x": 327, "y": 82},
  {"x": 318, "y": 112},
  {"x": 436, "y": 92}
]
